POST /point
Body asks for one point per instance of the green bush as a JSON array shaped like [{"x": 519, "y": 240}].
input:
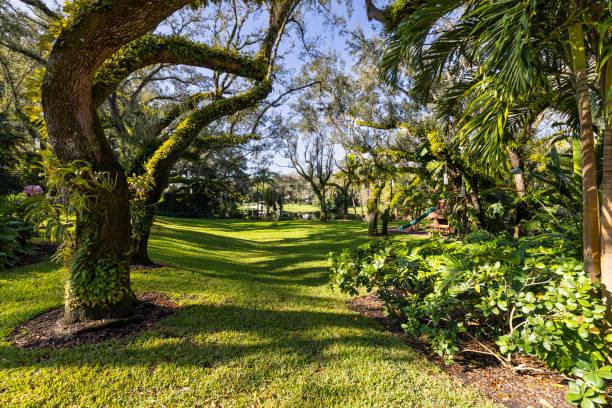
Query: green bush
[
  {"x": 15, "y": 231},
  {"x": 527, "y": 296},
  {"x": 478, "y": 236}
]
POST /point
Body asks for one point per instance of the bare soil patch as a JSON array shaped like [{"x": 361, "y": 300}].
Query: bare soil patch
[
  {"x": 45, "y": 331},
  {"x": 543, "y": 389}
]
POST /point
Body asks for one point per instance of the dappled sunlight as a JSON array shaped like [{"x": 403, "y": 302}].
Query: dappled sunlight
[{"x": 257, "y": 322}]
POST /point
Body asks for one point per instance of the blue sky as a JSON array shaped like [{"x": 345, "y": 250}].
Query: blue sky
[{"x": 333, "y": 39}]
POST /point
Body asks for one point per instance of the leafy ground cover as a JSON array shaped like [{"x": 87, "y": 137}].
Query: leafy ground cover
[{"x": 258, "y": 327}]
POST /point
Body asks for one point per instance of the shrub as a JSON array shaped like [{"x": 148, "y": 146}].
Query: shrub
[
  {"x": 527, "y": 296},
  {"x": 478, "y": 236},
  {"x": 15, "y": 231}
]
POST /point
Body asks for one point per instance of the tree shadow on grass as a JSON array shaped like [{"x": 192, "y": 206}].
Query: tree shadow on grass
[
  {"x": 190, "y": 338},
  {"x": 277, "y": 262},
  {"x": 237, "y": 225},
  {"x": 205, "y": 335}
]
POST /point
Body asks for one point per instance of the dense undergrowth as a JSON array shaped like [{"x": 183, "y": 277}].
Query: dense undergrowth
[
  {"x": 15, "y": 231},
  {"x": 509, "y": 296}
]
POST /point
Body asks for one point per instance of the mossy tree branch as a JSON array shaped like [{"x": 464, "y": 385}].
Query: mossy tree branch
[
  {"x": 180, "y": 109},
  {"x": 383, "y": 126},
  {"x": 220, "y": 142},
  {"x": 185, "y": 133},
  {"x": 173, "y": 148},
  {"x": 151, "y": 49},
  {"x": 392, "y": 15},
  {"x": 42, "y": 7}
]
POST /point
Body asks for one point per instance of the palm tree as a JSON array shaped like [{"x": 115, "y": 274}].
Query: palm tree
[
  {"x": 506, "y": 61},
  {"x": 590, "y": 191}
]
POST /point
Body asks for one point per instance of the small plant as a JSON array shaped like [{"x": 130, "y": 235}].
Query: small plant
[
  {"x": 139, "y": 187},
  {"x": 478, "y": 236}
]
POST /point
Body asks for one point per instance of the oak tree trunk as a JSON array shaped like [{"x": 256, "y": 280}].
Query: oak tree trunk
[
  {"x": 385, "y": 221},
  {"x": 372, "y": 209},
  {"x": 323, "y": 209},
  {"x": 99, "y": 282},
  {"x": 142, "y": 222}
]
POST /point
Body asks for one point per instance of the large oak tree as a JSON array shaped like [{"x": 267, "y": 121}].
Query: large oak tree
[{"x": 97, "y": 46}]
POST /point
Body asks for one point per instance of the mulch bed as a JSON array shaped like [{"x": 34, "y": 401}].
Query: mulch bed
[
  {"x": 44, "y": 249},
  {"x": 145, "y": 267},
  {"x": 45, "y": 332},
  {"x": 515, "y": 390}
]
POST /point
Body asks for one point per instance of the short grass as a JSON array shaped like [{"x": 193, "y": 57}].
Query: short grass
[{"x": 259, "y": 328}]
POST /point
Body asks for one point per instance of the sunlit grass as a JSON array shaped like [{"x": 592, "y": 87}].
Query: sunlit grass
[
  {"x": 259, "y": 327},
  {"x": 299, "y": 208}
]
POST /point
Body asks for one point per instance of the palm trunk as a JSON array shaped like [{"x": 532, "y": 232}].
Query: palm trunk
[
  {"x": 590, "y": 195},
  {"x": 577, "y": 158},
  {"x": 362, "y": 201},
  {"x": 516, "y": 163},
  {"x": 606, "y": 200}
]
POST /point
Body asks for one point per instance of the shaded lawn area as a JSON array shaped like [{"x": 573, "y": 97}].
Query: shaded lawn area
[{"x": 259, "y": 327}]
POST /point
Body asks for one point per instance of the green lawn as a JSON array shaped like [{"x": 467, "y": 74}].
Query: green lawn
[
  {"x": 259, "y": 327},
  {"x": 301, "y": 208}
]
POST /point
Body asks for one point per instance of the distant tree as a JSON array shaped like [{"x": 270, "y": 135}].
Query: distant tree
[
  {"x": 345, "y": 179},
  {"x": 313, "y": 161}
]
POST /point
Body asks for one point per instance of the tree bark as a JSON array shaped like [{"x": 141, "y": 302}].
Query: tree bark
[
  {"x": 372, "y": 209},
  {"x": 99, "y": 283},
  {"x": 361, "y": 201},
  {"x": 516, "y": 163},
  {"x": 353, "y": 202},
  {"x": 142, "y": 222},
  {"x": 606, "y": 200},
  {"x": 475, "y": 200},
  {"x": 522, "y": 212},
  {"x": 577, "y": 158},
  {"x": 384, "y": 230},
  {"x": 590, "y": 195},
  {"x": 345, "y": 203},
  {"x": 323, "y": 210}
]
